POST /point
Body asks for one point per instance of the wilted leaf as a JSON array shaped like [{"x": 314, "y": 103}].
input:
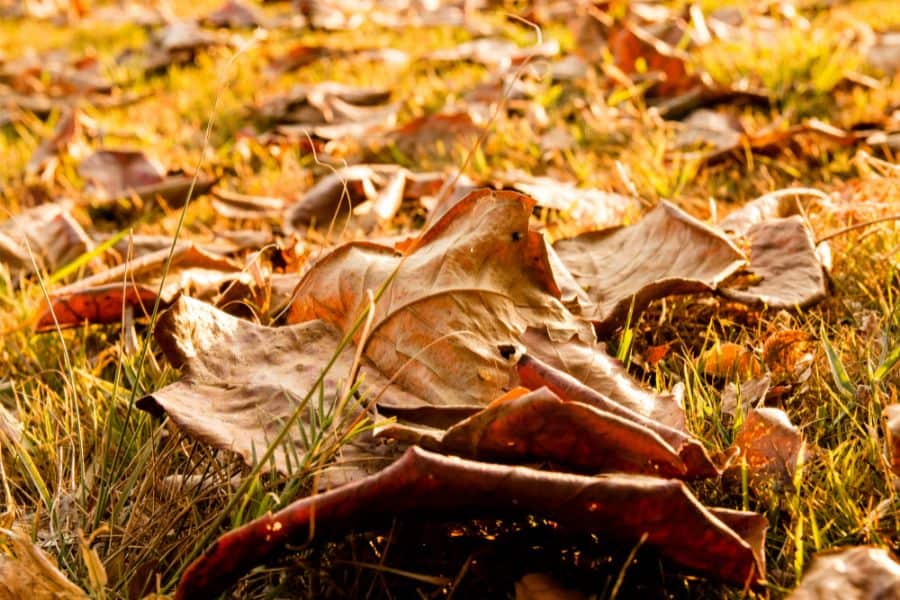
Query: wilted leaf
[
  {"x": 785, "y": 269},
  {"x": 347, "y": 189},
  {"x": 121, "y": 174},
  {"x": 234, "y": 14},
  {"x": 588, "y": 207},
  {"x": 860, "y": 573},
  {"x": 891, "y": 418},
  {"x": 30, "y": 573},
  {"x": 430, "y": 133},
  {"x": 453, "y": 321},
  {"x": 776, "y": 205},
  {"x": 45, "y": 157},
  {"x": 667, "y": 252},
  {"x": 770, "y": 446},
  {"x": 787, "y": 354},
  {"x": 636, "y": 49},
  {"x": 745, "y": 394},
  {"x": 540, "y": 586},
  {"x": 727, "y": 360},
  {"x": 233, "y": 205},
  {"x": 496, "y": 53},
  {"x": 178, "y": 43},
  {"x": 627, "y": 507},
  {"x": 884, "y": 54},
  {"x": 242, "y": 382},
  {"x": 102, "y": 296},
  {"x": 539, "y": 426},
  {"x": 708, "y": 128},
  {"x": 330, "y": 110},
  {"x": 53, "y": 236}
]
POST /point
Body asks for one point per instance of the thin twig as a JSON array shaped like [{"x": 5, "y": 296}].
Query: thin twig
[{"x": 856, "y": 226}]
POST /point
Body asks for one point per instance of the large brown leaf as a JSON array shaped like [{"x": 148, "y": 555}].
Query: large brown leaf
[
  {"x": 243, "y": 381},
  {"x": 667, "y": 252},
  {"x": 451, "y": 324},
  {"x": 721, "y": 543}
]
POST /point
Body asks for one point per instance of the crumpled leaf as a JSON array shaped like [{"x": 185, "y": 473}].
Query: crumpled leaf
[
  {"x": 770, "y": 445},
  {"x": 45, "y": 158},
  {"x": 348, "y": 189},
  {"x": 55, "y": 239},
  {"x": 243, "y": 381},
  {"x": 300, "y": 55},
  {"x": 623, "y": 265},
  {"x": 54, "y": 74},
  {"x": 745, "y": 394},
  {"x": 233, "y": 205},
  {"x": 425, "y": 134},
  {"x": 452, "y": 323},
  {"x": 721, "y": 543},
  {"x": 588, "y": 207},
  {"x": 30, "y": 573},
  {"x": 858, "y": 573},
  {"x": 786, "y": 271},
  {"x": 788, "y": 354},
  {"x": 178, "y": 43},
  {"x": 539, "y": 426},
  {"x": 728, "y": 360},
  {"x": 121, "y": 174},
  {"x": 330, "y": 110},
  {"x": 496, "y": 53},
  {"x": 100, "y": 298}
]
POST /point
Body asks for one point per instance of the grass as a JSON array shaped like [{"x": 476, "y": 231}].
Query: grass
[{"x": 88, "y": 465}]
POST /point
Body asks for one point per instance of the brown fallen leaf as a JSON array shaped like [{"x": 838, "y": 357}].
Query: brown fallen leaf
[
  {"x": 785, "y": 269},
  {"x": 770, "y": 446},
  {"x": 541, "y": 586},
  {"x": 330, "y": 110},
  {"x": 627, "y": 507},
  {"x": 495, "y": 53},
  {"x": 663, "y": 416},
  {"x": 103, "y": 295},
  {"x": 745, "y": 394},
  {"x": 655, "y": 47},
  {"x": 30, "y": 573},
  {"x": 776, "y": 205},
  {"x": 241, "y": 381},
  {"x": 858, "y": 573},
  {"x": 621, "y": 269},
  {"x": 102, "y": 304},
  {"x": 539, "y": 426},
  {"x": 122, "y": 174},
  {"x": 235, "y": 15},
  {"x": 233, "y": 205},
  {"x": 891, "y": 417},
  {"x": 384, "y": 187},
  {"x": 53, "y": 236},
  {"x": 728, "y": 360},
  {"x": 435, "y": 132},
  {"x": 46, "y": 157},
  {"x": 178, "y": 43},
  {"x": 453, "y": 321},
  {"x": 884, "y": 53},
  {"x": 787, "y": 354}
]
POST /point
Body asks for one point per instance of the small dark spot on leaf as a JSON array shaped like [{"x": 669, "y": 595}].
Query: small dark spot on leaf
[
  {"x": 507, "y": 351},
  {"x": 516, "y": 236}
]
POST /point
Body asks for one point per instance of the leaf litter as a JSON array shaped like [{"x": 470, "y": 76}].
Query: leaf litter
[{"x": 481, "y": 382}]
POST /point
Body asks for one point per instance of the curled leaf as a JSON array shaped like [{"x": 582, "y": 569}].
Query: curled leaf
[
  {"x": 624, "y": 506},
  {"x": 860, "y": 573}
]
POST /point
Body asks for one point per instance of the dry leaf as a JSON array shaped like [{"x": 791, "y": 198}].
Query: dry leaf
[
  {"x": 667, "y": 252},
  {"x": 858, "y": 573},
  {"x": 891, "y": 418},
  {"x": 103, "y": 296},
  {"x": 788, "y": 354},
  {"x": 30, "y": 573},
  {"x": 52, "y": 235},
  {"x": 122, "y": 174},
  {"x": 233, "y": 205},
  {"x": 497, "y": 54},
  {"x": 541, "y": 586},
  {"x": 786, "y": 271},
  {"x": 451, "y": 325},
  {"x": 770, "y": 446},
  {"x": 234, "y": 14},
  {"x": 720, "y": 543},
  {"x": 745, "y": 394},
  {"x": 727, "y": 361}
]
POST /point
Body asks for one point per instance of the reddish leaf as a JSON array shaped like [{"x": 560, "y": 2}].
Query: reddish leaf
[
  {"x": 891, "y": 418},
  {"x": 627, "y": 507},
  {"x": 99, "y": 305},
  {"x": 770, "y": 446}
]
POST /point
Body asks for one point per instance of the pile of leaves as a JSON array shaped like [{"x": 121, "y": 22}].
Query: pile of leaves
[{"x": 431, "y": 312}]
